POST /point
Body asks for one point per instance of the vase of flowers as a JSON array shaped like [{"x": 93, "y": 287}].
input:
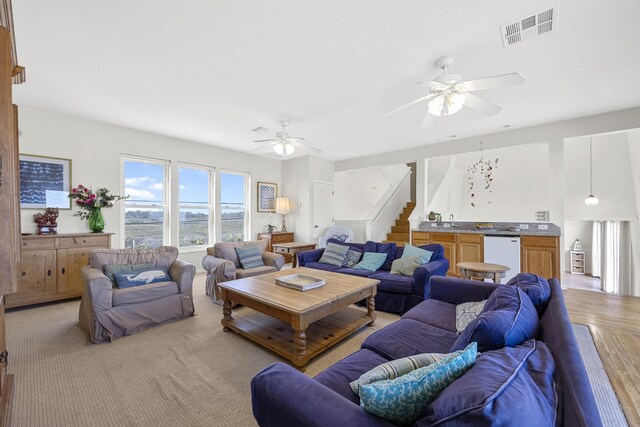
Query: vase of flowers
[{"x": 91, "y": 205}]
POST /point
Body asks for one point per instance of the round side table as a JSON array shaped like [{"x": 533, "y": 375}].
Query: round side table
[{"x": 482, "y": 270}]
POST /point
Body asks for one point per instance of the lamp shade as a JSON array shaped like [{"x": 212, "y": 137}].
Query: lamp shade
[{"x": 282, "y": 205}]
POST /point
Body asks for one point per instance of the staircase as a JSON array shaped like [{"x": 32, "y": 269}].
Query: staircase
[{"x": 400, "y": 231}]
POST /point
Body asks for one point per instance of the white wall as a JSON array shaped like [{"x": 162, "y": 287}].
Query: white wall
[
  {"x": 519, "y": 186},
  {"x": 297, "y": 183},
  {"x": 96, "y": 149},
  {"x": 612, "y": 179},
  {"x": 358, "y": 191}
]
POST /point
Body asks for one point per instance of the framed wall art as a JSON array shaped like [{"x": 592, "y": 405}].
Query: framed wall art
[
  {"x": 267, "y": 193},
  {"x": 45, "y": 182}
]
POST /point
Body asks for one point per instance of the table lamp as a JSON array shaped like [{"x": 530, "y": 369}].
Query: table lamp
[{"x": 282, "y": 207}]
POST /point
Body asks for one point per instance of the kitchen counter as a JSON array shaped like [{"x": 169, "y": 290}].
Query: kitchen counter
[{"x": 498, "y": 229}]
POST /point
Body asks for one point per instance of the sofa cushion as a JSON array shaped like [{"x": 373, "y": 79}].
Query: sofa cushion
[
  {"x": 322, "y": 266},
  {"x": 140, "y": 278},
  {"x": 406, "y": 265},
  {"x": 354, "y": 272},
  {"x": 467, "y": 312},
  {"x": 393, "y": 282},
  {"x": 352, "y": 258},
  {"x": 351, "y": 245},
  {"x": 227, "y": 250},
  {"x": 410, "y": 250},
  {"x": 249, "y": 256},
  {"x": 402, "y": 400},
  {"x": 337, "y": 377},
  {"x": 371, "y": 261},
  {"x": 508, "y": 319},
  {"x": 162, "y": 257},
  {"x": 144, "y": 293},
  {"x": 382, "y": 248},
  {"x": 435, "y": 313},
  {"x": 536, "y": 287},
  {"x": 395, "y": 368},
  {"x": 334, "y": 254},
  {"x": 110, "y": 269},
  {"x": 241, "y": 273},
  {"x": 408, "y": 337},
  {"x": 512, "y": 386}
]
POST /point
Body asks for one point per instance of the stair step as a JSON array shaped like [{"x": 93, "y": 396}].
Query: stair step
[
  {"x": 402, "y": 223},
  {"x": 405, "y": 216},
  {"x": 399, "y": 237},
  {"x": 400, "y": 228}
]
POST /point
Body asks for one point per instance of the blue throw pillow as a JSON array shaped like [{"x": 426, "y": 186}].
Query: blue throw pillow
[
  {"x": 507, "y": 320},
  {"x": 334, "y": 254},
  {"x": 403, "y": 399},
  {"x": 371, "y": 261},
  {"x": 249, "y": 256},
  {"x": 146, "y": 277},
  {"x": 536, "y": 287},
  {"x": 512, "y": 386},
  {"x": 410, "y": 250},
  {"x": 110, "y": 269}
]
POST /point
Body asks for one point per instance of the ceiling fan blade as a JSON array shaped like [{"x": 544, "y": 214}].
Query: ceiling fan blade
[
  {"x": 505, "y": 80},
  {"x": 428, "y": 121},
  {"x": 267, "y": 140},
  {"x": 480, "y": 105},
  {"x": 424, "y": 98},
  {"x": 301, "y": 142}
]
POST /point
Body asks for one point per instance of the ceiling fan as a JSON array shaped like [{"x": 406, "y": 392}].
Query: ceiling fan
[
  {"x": 285, "y": 145},
  {"x": 448, "y": 93}
]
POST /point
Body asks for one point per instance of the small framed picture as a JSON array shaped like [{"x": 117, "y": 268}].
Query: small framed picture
[
  {"x": 45, "y": 182},
  {"x": 267, "y": 193}
]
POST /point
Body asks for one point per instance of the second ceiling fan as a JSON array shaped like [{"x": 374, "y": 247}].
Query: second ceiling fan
[{"x": 448, "y": 93}]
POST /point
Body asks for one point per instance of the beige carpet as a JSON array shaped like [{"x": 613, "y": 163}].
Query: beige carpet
[{"x": 187, "y": 372}]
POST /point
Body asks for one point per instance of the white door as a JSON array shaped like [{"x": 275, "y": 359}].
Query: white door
[{"x": 322, "y": 208}]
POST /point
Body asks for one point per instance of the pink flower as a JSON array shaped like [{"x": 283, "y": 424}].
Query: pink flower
[{"x": 92, "y": 196}]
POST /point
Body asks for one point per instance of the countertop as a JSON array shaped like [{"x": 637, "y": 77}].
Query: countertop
[{"x": 497, "y": 229}]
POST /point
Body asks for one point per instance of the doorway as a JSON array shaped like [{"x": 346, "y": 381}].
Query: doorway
[{"x": 322, "y": 215}]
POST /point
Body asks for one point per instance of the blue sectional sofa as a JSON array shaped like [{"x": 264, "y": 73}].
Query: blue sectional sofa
[
  {"x": 539, "y": 382},
  {"x": 396, "y": 293}
]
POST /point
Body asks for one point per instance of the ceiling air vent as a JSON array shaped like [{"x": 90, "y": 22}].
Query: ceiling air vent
[{"x": 529, "y": 26}]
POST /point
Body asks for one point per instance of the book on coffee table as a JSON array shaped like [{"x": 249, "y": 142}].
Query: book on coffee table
[{"x": 300, "y": 282}]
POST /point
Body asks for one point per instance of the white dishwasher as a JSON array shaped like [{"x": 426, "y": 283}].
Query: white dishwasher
[{"x": 504, "y": 250}]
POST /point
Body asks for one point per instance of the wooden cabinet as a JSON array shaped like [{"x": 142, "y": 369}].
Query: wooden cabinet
[
  {"x": 540, "y": 255},
  {"x": 420, "y": 238},
  {"x": 458, "y": 247},
  {"x": 277, "y": 237},
  {"x": 448, "y": 241},
  {"x": 50, "y": 268},
  {"x": 470, "y": 248}
]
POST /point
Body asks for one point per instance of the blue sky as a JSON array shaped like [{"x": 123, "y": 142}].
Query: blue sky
[{"x": 144, "y": 182}]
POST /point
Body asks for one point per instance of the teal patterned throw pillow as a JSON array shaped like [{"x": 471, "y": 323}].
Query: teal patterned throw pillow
[
  {"x": 410, "y": 250},
  {"x": 402, "y": 400},
  {"x": 250, "y": 256},
  {"x": 334, "y": 254},
  {"x": 395, "y": 369},
  {"x": 371, "y": 261}
]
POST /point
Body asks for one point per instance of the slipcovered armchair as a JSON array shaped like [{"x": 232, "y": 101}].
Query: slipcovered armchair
[
  {"x": 108, "y": 312},
  {"x": 222, "y": 265}
]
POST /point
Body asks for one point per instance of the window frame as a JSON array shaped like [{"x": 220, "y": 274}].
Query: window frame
[
  {"x": 166, "y": 223},
  {"x": 211, "y": 227},
  {"x": 247, "y": 200}
]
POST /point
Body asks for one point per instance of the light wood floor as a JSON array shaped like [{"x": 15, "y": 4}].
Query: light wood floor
[
  {"x": 581, "y": 281},
  {"x": 615, "y": 326}
]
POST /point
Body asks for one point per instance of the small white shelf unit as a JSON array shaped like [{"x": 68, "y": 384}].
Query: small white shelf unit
[{"x": 577, "y": 262}]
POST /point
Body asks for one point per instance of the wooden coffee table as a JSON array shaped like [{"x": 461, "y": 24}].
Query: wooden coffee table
[
  {"x": 482, "y": 270},
  {"x": 295, "y": 324}
]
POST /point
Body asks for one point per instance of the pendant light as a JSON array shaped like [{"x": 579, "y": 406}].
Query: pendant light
[{"x": 591, "y": 200}]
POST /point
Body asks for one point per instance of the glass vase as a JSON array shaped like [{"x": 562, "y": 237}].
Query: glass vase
[{"x": 96, "y": 220}]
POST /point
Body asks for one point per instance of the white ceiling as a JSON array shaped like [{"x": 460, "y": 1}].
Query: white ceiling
[{"x": 210, "y": 71}]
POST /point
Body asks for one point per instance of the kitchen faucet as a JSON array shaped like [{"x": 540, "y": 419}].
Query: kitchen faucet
[{"x": 453, "y": 224}]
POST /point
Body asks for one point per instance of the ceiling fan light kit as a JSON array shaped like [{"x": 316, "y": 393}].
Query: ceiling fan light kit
[
  {"x": 591, "y": 200},
  {"x": 283, "y": 144},
  {"x": 448, "y": 93}
]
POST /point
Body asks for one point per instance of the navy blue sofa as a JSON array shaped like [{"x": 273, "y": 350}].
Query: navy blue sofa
[
  {"x": 542, "y": 382},
  {"x": 396, "y": 293}
]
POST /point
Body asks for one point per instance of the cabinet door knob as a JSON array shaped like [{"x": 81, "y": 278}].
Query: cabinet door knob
[
  {"x": 62, "y": 270},
  {"x": 49, "y": 272}
]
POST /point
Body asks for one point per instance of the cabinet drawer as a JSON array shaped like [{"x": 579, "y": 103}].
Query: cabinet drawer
[
  {"x": 39, "y": 243},
  {"x": 578, "y": 256},
  {"x": 281, "y": 250},
  {"x": 540, "y": 241},
  {"x": 281, "y": 238},
  {"x": 84, "y": 241},
  {"x": 470, "y": 238},
  {"x": 443, "y": 237}
]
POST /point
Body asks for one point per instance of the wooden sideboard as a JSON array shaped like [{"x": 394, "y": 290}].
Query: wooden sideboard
[
  {"x": 538, "y": 254},
  {"x": 50, "y": 266},
  {"x": 277, "y": 237}
]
